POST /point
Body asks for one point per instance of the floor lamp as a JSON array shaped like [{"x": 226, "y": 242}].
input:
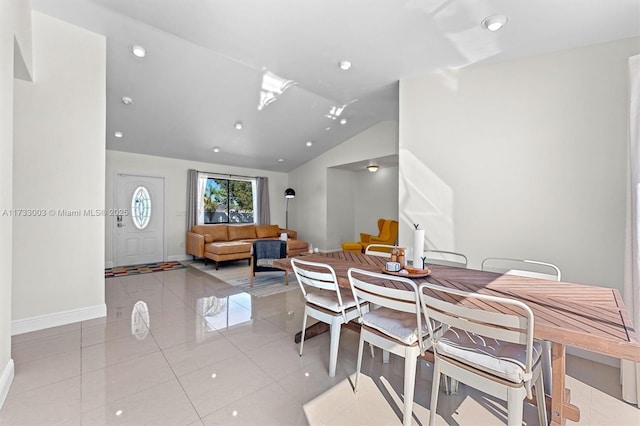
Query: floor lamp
[{"x": 288, "y": 193}]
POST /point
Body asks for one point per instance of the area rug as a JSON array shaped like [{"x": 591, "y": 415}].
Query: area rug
[
  {"x": 237, "y": 275},
  {"x": 122, "y": 271}
]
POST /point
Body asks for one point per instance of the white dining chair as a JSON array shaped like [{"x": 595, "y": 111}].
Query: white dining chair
[
  {"x": 485, "y": 347},
  {"x": 522, "y": 267},
  {"x": 395, "y": 326},
  {"x": 382, "y": 250},
  {"x": 446, "y": 258},
  {"x": 326, "y": 302},
  {"x": 530, "y": 269}
]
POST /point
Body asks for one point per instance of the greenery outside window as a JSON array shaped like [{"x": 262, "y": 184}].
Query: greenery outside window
[{"x": 229, "y": 200}]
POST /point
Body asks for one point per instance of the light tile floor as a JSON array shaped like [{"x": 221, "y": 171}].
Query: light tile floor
[{"x": 207, "y": 354}]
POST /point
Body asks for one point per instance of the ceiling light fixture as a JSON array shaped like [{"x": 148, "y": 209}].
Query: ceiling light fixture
[
  {"x": 309, "y": 143},
  {"x": 343, "y": 121},
  {"x": 126, "y": 100},
  {"x": 138, "y": 51},
  {"x": 494, "y": 22},
  {"x": 238, "y": 125},
  {"x": 344, "y": 65},
  {"x": 216, "y": 149},
  {"x": 118, "y": 134},
  {"x": 280, "y": 160},
  {"x": 373, "y": 168}
]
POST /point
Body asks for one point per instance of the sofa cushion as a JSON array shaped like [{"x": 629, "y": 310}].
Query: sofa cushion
[
  {"x": 228, "y": 247},
  {"x": 267, "y": 231},
  {"x": 241, "y": 232},
  {"x": 212, "y": 232}
]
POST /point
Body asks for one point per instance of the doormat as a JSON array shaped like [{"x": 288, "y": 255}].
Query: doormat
[{"x": 122, "y": 271}]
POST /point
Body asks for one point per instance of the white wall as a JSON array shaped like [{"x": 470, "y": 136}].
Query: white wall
[
  {"x": 308, "y": 212},
  {"x": 376, "y": 197},
  {"x": 175, "y": 173},
  {"x": 341, "y": 206},
  {"x": 15, "y": 29},
  {"x": 522, "y": 159},
  {"x": 59, "y": 163},
  {"x": 356, "y": 200}
]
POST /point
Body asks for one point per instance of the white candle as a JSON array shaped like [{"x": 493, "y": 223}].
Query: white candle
[{"x": 418, "y": 247}]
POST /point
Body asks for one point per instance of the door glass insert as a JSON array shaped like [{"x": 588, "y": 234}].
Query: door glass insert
[{"x": 141, "y": 207}]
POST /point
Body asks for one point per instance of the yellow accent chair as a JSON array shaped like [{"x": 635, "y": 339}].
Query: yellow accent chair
[{"x": 387, "y": 234}]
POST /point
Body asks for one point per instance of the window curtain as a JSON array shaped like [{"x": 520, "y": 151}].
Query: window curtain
[
  {"x": 264, "y": 211},
  {"x": 202, "y": 186},
  {"x": 192, "y": 199},
  {"x": 630, "y": 371}
]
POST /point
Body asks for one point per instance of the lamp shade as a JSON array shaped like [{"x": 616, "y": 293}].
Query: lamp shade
[{"x": 289, "y": 193}]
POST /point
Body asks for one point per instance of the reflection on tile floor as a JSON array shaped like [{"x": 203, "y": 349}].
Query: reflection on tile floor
[{"x": 200, "y": 352}]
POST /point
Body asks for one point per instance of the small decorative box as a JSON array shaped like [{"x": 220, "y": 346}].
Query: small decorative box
[{"x": 393, "y": 266}]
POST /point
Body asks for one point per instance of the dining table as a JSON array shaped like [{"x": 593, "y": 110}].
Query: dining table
[{"x": 583, "y": 316}]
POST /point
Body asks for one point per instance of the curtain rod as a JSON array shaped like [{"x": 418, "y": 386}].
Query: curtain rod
[{"x": 227, "y": 174}]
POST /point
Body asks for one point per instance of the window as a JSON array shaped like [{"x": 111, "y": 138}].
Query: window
[
  {"x": 229, "y": 201},
  {"x": 141, "y": 207}
]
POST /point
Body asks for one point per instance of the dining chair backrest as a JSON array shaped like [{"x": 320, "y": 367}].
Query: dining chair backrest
[
  {"x": 382, "y": 250},
  {"x": 487, "y": 343},
  {"x": 480, "y": 314},
  {"x": 317, "y": 275},
  {"x": 393, "y": 292},
  {"x": 522, "y": 267},
  {"x": 446, "y": 258}
]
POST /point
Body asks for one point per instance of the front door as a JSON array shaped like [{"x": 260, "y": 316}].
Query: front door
[{"x": 139, "y": 234}]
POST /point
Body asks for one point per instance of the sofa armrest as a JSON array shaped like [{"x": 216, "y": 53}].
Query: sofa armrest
[
  {"x": 365, "y": 238},
  {"x": 291, "y": 234},
  {"x": 195, "y": 244}
]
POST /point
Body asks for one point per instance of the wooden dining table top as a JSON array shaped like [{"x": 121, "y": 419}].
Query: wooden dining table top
[{"x": 583, "y": 316}]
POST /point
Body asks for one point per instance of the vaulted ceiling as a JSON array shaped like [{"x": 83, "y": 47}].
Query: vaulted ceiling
[{"x": 273, "y": 65}]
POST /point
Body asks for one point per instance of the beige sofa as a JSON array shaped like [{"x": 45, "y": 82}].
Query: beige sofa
[{"x": 222, "y": 242}]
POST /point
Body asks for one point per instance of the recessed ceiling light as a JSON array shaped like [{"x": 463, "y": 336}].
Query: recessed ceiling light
[
  {"x": 344, "y": 65},
  {"x": 138, "y": 51},
  {"x": 280, "y": 160},
  {"x": 343, "y": 121},
  {"x": 238, "y": 125},
  {"x": 309, "y": 143},
  {"x": 118, "y": 134},
  {"x": 126, "y": 100},
  {"x": 372, "y": 168},
  {"x": 494, "y": 23},
  {"x": 216, "y": 149}
]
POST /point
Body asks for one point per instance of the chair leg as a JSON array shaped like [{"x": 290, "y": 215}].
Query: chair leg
[
  {"x": 333, "y": 351},
  {"x": 546, "y": 365},
  {"x": 304, "y": 328},
  {"x": 385, "y": 357},
  {"x": 410, "y": 363},
  {"x": 435, "y": 388},
  {"x": 540, "y": 399},
  {"x": 515, "y": 407},
  {"x": 373, "y": 355},
  {"x": 452, "y": 389},
  {"x": 359, "y": 362}
]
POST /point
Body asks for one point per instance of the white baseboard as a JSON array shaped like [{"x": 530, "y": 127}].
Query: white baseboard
[
  {"x": 179, "y": 257},
  {"x": 592, "y": 356},
  {"x": 5, "y": 381},
  {"x": 108, "y": 265},
  {"x": 59, "y": 318}
]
